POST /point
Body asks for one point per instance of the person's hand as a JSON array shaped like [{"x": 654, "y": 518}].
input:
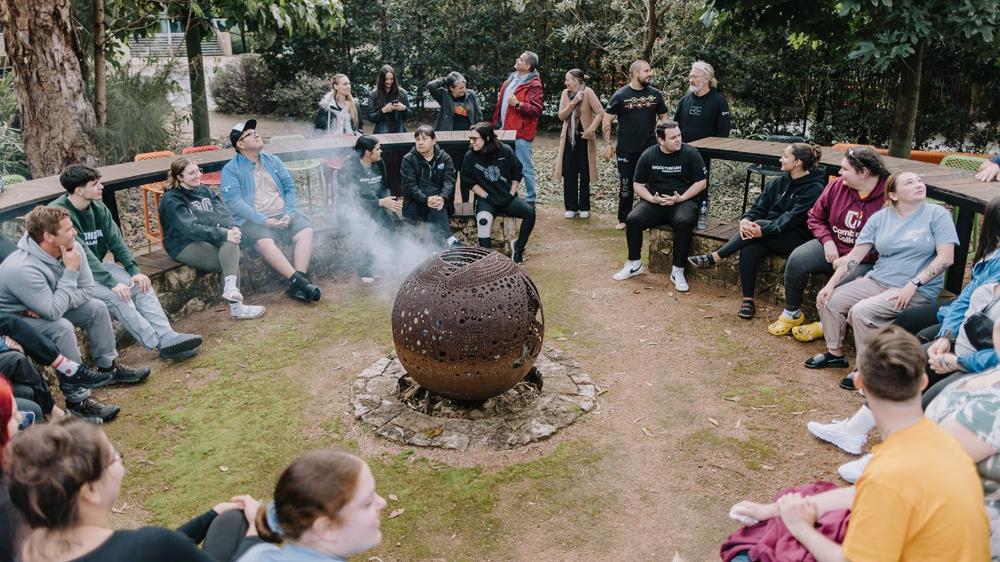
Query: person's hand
[
  {"x": 391, "y": 203},
  {"x": 286, "y": 221},
  {"x": 143, "y": 282},
  {"x": 902, "y": 296},
  {"x": 577, "y": 99},
  {"x": 588, "y": 135},
  {"x": 29, "y": 314},
  {"x": 435, "y": 202},
  {"x": 797, "y": 512},
  {"x": 839, "y": 262},
  {"x": 944, "y": 363},
  {"x": 12, "y": 344},
  {"x": 512, "y": 100},
  {"x": 989, "y": 171},
  {"x": 273, "y": 223},
  {"x": 398, "y": 106},
  {"x": 759, "y": 511},
  {"x": 756, "y": 231},
  {"x": 234, "y": 235},
  {"x": 123, "y": 291},
  {"x": 387, "y": 108},
  {"x": 938, "y": 346},
  {"x": 823, "y": 296},
  {"x": 223, "y": 507},
  {"x": 609, "y": 151},
  {"x": 830, "y": 253},
  {"x": 746, "y": 229},
  {"x": 70, "y": 257},
  {"x": 248, "y": 505}
]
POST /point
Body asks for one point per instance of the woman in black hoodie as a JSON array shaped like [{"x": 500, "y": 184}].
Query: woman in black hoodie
[
  {"x": 776, "y": 223},
  {"x": 199, "y": 231}
]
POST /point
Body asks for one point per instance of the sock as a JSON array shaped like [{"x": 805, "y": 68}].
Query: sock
[
  {"x": 451, "y": 240},
  {"x": 235, "y": 307},
  {"x": 65, "y": 366},
  {"x": 229, "y": 283},
  {"x": 676, "y": 270},
  {"x": 861, "y": 422},
  {"x": 791, "y": 314},
  {"x": 485, "y": 242}
]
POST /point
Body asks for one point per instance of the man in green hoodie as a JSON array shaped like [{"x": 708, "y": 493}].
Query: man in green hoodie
[{"x": 127, "y": 292}]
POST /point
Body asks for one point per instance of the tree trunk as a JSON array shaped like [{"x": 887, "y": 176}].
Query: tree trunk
[
  {"x": 100, "y": 68},
  {"x": 196, "y": 74},
  {"x": 907, "y": 102},
  {"x": 650, "y": 39},
  {"x": 56, "y": 116}
]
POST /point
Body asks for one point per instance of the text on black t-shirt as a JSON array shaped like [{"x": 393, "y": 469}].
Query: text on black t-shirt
[
  {"x": 669, "y": 174},
  {"x": 637, "y": 111}
]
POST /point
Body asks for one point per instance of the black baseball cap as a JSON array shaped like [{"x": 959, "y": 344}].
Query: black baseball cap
[{"x": 237, "y": 131}]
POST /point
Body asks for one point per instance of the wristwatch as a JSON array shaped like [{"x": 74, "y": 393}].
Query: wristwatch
[{"x": 916, "y": 281}]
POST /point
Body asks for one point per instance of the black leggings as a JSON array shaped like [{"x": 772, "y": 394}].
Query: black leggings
[
  {"x": 921, "y": 320},
  {"x": 486, "y": 211},
  {"x": 576, "y": 176},
  {"x": 753, "y": 250},
  {"x": 682, "y": 218},
  {"x": 626, "y": 172}
]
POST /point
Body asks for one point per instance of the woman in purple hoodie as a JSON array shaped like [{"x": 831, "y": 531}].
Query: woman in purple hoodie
[{"x": 835, "y": 220}]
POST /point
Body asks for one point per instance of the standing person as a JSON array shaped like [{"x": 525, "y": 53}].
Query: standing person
[
  {"x": 199, "y": 231},
  {"x": 325, "y": 507},
  {"x": 776, "y": 223},
  {"x": 459, "y": 110},
  {"x": 668, "y": 178},
  {"x": 259, "y": 192},
  {"x": 494, "y": 172},
  {"x": 638, "y": 107},
  {"x": 370, "y": 209},
  {"x": 519, "y": 105},
  {"x": 339, "y": 113},
  {"x": 581, "y": 113},
  {"x": 703, "y": 111},
  {"x": 388, "y": 107},
  {"x": 128, "y": 293},
  {"x": 915, "y": 241},
  {"x": 429, "y": 184},
  {"x": 835, "y": 222}
]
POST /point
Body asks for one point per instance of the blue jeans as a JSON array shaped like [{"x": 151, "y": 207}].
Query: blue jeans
[
  {"x": 522, "y": 148},
  {"x": 142, "y": 316}
]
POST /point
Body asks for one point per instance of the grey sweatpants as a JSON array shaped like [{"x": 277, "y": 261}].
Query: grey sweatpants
[
  {"x": 206, "y": 256},
  {"x": 809, "y": 258},
  {"x": 142, "y": 315}
]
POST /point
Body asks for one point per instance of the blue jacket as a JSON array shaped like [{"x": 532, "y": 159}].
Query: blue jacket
[
  {"x": 237, "y": 187},
  {"x": 952, "y": 315}
]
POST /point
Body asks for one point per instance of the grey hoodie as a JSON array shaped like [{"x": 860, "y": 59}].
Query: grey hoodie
[{"x": 31, "y": 279}]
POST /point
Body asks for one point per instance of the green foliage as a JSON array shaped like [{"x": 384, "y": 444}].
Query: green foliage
[
  {"x": 299, "y": 97},
  {"x": 242, "y": 86},
  {"x": 13, "y": 160}
]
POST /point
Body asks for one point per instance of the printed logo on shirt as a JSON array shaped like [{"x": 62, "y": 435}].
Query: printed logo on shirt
[
  {"x": 845, "y": 235},
  {"x": 668, "y": 169},
  {"x": 490, "y": 172},
  {"x": 914, "y": 234},
  {"x": 91, "y": 238},
  {"x": 204, "y": 205},
  {"x": 441, "y": 166},
  {"x": 695, "y": 110},
  {"x": 461, "y": 110},
  {"x": 640, "y": 102},
  {"x": 852, "y": 219}
]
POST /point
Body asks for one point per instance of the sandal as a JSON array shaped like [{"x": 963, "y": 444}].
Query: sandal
[
  {"x": 704, "y": 261},
  {"x": 747, "y": 309},
  {"x": 847, "y": 383},
  {"x": 826, "y": 360},
  {"x": 808, "y": 332},
  {"x": 784, "y": 324}
]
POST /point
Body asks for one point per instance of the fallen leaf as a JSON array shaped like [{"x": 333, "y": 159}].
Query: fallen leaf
[
  {"x": 767, "y": 467},
  {"x": 637, "y": 420},
  {"x": 646, "y": 431},
  {"x": 713, "y": 422},
  {"x": 393, "y": 497},
  {"x": 120, "y": 510},
  {"x": 732, "y": 398},
  {"x": 434, "y": 432},
  {"x": 739, "y": 422},
  {"x": 397, "y": 512},
  {"x": 223, "y": 468}
]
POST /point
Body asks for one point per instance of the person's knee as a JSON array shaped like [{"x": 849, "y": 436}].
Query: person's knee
[
  {"x": 304, "y": 235},
  {"x": 484, "y": 224},
  {"x": 265, "y": 244}
]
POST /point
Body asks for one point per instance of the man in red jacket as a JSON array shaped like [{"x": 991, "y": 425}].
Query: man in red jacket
[{"x": 519, "y": 105}]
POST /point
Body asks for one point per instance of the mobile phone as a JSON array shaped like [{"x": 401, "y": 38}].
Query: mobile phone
[{"x": 27, "y": 418}]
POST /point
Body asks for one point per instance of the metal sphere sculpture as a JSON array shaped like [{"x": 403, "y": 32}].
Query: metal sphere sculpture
[{"x": 468, "y": 324}]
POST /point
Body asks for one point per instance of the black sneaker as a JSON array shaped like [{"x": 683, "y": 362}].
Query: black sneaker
[
  {"x": 302, "y": 289},
  {"x": 516, "y": 252},
  {"x": 179, "y": 346},
  {"x": 91, "y": 378},
  {"x": 92, "y": 409},
  {"x": 123, "y": 374}
]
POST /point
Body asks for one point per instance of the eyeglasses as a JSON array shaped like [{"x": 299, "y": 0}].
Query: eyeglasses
[
  {"x": 254, "y": 134},
  {"x": 474, "y": 138}
]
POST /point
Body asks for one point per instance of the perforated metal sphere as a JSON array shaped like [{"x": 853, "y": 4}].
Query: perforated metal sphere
[{"x": 468, "y": 324}]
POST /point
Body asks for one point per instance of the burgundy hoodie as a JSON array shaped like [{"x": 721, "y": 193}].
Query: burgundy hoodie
[{"x": 840, "y": 213}]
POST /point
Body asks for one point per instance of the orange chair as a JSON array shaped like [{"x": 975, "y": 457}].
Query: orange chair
[
  {"x": 153, "y": 235},
  {"x": 213, "y": 179}
]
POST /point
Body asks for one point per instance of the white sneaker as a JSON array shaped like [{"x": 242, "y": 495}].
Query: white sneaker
[
  {"x": 246, "y": 311},
  {"x": 232, "y": 295},
  {"x": 584, "y": 214},
  {"x": 836, "y": 433},
  {"x": 851, "y": 471},
  {"x": 620, "y": 226},
  {"x": 680, "y": 283},
  {"x": 569, "y": 214},
  {"x": 627, "y": 271}
]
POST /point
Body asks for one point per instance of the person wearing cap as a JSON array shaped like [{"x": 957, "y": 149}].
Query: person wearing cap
[{"x": 259, "y": 192}]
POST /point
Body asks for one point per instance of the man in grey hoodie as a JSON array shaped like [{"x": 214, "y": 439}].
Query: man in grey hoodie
[{"x": 48, "y": 282}]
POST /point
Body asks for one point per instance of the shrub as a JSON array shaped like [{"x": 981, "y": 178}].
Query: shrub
[
  {"x": 242, "y": 86},
  {"x": 299, "y": 97}
]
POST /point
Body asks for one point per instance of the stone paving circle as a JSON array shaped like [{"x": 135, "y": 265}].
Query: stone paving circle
[{"x": 566, "y": 393}]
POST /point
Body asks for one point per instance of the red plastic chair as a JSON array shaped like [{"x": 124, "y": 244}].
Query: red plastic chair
[
  {"x": 154, "y": 234},
  {"x": 211, "y": 178}
]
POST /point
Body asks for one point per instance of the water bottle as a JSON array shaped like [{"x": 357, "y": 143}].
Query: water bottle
[{"x": 703, "y": 215}]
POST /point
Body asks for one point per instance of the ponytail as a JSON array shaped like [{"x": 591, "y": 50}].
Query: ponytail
[
  {"x": 265, "y": 522},
  {"x": 807, "y": 153}
]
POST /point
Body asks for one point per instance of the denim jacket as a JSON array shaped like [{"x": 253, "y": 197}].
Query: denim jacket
[
  {"x": 952, "y": 315},
  {"x": 238, "y": 187}
]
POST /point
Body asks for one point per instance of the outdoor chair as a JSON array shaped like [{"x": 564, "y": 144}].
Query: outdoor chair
[
  {"x": 9, "y": 180},
  {"x": 213, "y": 179},
  {"x": 967, "y": 163},
  {"x": 309, "y": 167},
  {"x": 766, "y": 170},
  {"x": 151, "y": 217}
]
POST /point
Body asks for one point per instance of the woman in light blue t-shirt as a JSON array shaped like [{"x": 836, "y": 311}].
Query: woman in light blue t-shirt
[{"x": 915, "y": 241}]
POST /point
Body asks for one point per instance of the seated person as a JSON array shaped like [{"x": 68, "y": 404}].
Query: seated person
[
  {"x": 429, "y": 184},
  {"x": 368, "y": 210},
  {"x": 10, "y": 521},
  {"x": 259, "y": 192},
  {"x": 64, "y": 478},
  {"x": 776, "y": 223},
  {"x": 989, "y": 170},
  {"x": 918, "y": 499},
  {"x": 669, "y": 179},
  {"x": 915, "y": 241},
  {"x": 330, "y": 517},
  {"x": 494, "y": 173},
  {"x": 48, "y": 281},
  {"x": 128, "y": 293},
  {"x": 199, "y": 231}
]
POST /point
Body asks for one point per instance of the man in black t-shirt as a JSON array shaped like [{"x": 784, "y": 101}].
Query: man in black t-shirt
[
  {"x": 703, "y": 111},
  {"x": 638, "y": 106},
  {"x": 669, "y": 178}
]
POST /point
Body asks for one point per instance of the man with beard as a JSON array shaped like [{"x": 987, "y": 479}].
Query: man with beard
[
  {"x": 638, "y": 107},
  {"x": 703, "y": 111}
]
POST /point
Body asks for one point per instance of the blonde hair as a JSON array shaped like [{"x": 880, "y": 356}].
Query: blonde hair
[
  {"x": 708, "y": 70},
  {"x": 177, "y": 168}
]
